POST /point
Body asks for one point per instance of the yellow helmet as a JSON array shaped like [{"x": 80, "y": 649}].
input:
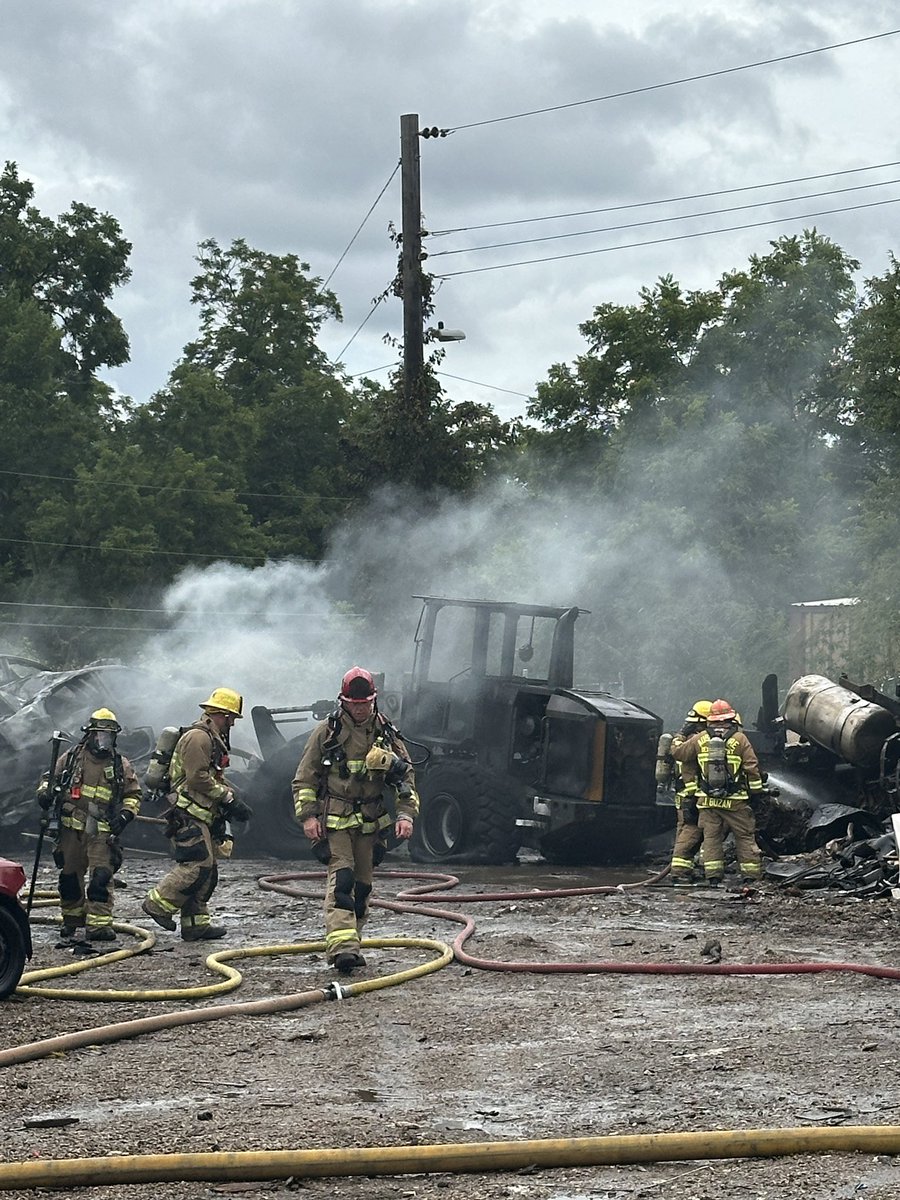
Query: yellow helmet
[
  {"x": 103, "y": 718},
  {"x": 699, "y": 711},
  {"x": 223, "y": 699}
]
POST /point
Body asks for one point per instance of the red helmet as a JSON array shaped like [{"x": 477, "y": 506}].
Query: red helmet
[
  {"x": 357, "y": 684},
  {"x": 720, "y": 711}
]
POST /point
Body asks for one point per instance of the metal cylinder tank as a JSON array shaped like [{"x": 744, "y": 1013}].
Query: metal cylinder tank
[{"x": 837, "y": 719}]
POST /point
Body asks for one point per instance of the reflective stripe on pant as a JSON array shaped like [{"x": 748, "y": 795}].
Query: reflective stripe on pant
[
  {"x": 715, "y": 824},
  {"x": 687, "y": 842},
  {"x": 191, "y": 882},
  {"x": 78, "y": 854},
  {"x": 348, "y": 889}
]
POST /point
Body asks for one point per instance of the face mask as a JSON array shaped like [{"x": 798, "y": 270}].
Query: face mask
[{"x": 102, "y": 741}]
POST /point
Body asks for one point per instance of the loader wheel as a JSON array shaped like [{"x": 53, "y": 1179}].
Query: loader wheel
[
  {"x": 466, "y": 815},
  {"x": 12, "y": 953}
]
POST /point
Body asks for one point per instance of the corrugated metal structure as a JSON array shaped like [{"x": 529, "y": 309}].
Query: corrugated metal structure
[{"x": 821, "y": 637}]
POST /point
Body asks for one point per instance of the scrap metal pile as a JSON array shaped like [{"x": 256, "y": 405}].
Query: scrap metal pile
[{"x": 833, "y": 750}]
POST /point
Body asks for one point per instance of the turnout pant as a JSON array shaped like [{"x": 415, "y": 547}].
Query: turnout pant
[
  {"x": 347, "y": 889},
  {"x": 687, "y": 842},
  {"x": 77, "y": 854},
  {"x": 715, "y": 824},
  {"x": 191, "y": 882}
]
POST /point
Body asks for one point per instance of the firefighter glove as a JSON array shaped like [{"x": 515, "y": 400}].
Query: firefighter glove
[
  {"x": 321, "y": 850},
  {"x": 689, "y": 812},
  {"x": 44, "y": 797},
  {"x": 237, "y": 810},
  {"x": 120, "y": 820}
]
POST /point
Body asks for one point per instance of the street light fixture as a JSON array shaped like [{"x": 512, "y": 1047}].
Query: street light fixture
[{"x": 447, "y": 335}]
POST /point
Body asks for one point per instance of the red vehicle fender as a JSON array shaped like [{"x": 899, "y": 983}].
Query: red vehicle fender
[{"x": 12, "y": 877}]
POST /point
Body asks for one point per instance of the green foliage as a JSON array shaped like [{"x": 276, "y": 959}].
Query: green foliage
[
  {"x": 712, "y": 455},
  {"x": 448, "y": 447},
  {"x": 70, "y": 268}
]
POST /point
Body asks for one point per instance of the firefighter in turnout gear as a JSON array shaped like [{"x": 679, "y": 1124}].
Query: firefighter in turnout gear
[
  {"x": 720, "y": 769},
  {"x": 688, "y": 834},
  {"x": 99, "y": 794},
  {"x": 338, "y": 789},
  {"x": 202, "y": 803}
]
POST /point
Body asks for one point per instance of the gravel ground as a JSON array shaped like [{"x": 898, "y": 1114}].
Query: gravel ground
[{"x": 468, "y": 1055}]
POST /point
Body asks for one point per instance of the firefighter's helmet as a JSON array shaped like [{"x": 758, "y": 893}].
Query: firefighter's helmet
[
  {"x": 102, "y": 718},
  {"x": 223, "y": 699},
  {"x": 357, "y": 684},
  {"x": 720, "y": 713},
  {"x": 698, "y": 712}
]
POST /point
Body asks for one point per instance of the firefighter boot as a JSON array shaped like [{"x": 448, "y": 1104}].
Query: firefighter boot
[
  {"x": 348, "y": 961},
  {"x": 160, "y": 918},
  {"x": 68, "y": 931},
  {"x": 101, "y": 933},
  {"x": 202, "y": 933}
]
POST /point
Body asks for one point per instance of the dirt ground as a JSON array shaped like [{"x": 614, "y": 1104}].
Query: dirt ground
[{"x": 470, "y": 1055}]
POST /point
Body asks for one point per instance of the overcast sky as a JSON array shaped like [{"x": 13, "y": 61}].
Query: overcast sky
[{"x": 278, "y": 121}]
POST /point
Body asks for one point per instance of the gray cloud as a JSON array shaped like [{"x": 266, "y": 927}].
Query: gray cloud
[{"x": 279, "y": 123}]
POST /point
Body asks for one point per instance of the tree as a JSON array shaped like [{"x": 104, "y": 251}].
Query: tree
[
  {"x": 709, "y": 414},
  {"x": 56, "y": 331},
  {"x": 452, "y": 447},
  {"x": 70, "y": 267},
  {"x": 869, "y": 418}
]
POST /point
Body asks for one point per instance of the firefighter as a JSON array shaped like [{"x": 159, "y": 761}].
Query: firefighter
[
  {"x": 688, "y": 835},
  {"x": 720, "y": 769},
  {"x": 98, "y": 796},
  {"x": 197, "y": 821},
  {"x": 338, "y": 789}
]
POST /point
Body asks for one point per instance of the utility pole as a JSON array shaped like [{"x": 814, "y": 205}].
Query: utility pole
[{"x": 411, "y": 267}]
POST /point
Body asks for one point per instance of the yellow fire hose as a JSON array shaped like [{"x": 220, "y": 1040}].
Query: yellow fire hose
[
  {"x": 126, "y": 1029},
  {"x": 480, "y": 1157},
  {"x": 615, "y": 1149}
]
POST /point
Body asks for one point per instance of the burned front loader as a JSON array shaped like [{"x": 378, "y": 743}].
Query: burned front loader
[
  {"x": 507, "y": 751},
  {"x": 517, "y": 755}
]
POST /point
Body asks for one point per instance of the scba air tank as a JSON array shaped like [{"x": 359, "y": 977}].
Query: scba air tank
[
  {"x": 716, "y": 767},
  {"x": 664, "y": 761},
  {"x": 158, "y": 767},
  {"x": 837, "y": 719}
]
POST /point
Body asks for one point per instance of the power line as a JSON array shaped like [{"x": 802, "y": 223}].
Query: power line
[
  {"x": 362, "y": 223},
  {"x": 478, "y": 383},
  {"x": 372, "y": 370},
  {"x": 590, "y": 212},
  {"x": 681, "y": 237},
  {"x": 162, "y": 487},
  {"x": 129, "y": 550},
  {"x": 359, "y": 328},
  {"x": 100, "y": 628},
  {"x": 709, "y": 212},
  {"x": 171, "y": 612},
  {"x": 654, "y": 87}
]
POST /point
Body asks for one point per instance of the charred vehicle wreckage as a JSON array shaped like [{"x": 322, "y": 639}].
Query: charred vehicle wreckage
[
  {"x": 508, "y": 752},
  {"x": 832, "y": 752},
  {"x": 511, "y": 754}
]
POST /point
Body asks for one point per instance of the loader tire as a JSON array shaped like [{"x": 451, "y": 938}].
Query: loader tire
[{"x": 467, "y": 815}]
